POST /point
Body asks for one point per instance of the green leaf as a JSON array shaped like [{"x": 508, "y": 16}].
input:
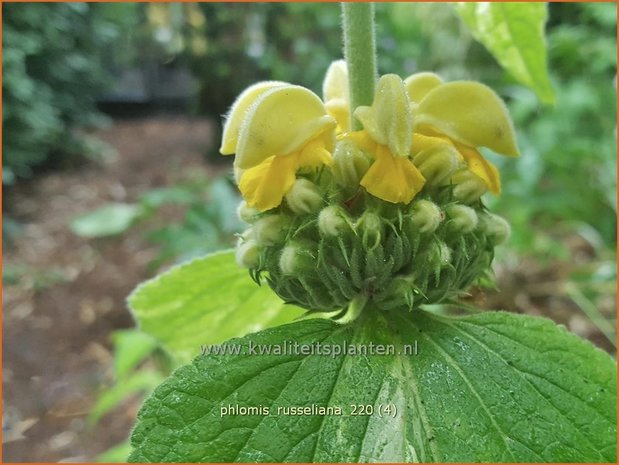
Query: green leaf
[
  {"x": 119, "y": 452},
  {"x": 130, "y": 348},
  {"x": 514, "y": 34},
  {"x": 155, "y": 198},
  {"x": 223, "y": 201},
  {"x": 492, "y": 387},
  {"x": 205, "y": 301},
  {"x": 141, "y": 381},
  {"x": 111, "y": 219}
]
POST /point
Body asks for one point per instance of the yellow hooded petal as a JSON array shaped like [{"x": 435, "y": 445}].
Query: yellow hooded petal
[
  {"x": 482, "y": 168},
  {"x": 264, "y": 186},
  {"x": 280, "y": 122},
  {"x": 340, "y": 110},
  {"x": 394, "y": 179},
  {"x": 470, "y": 113},
  {"x": 238, "y": 111},
  {"x": 419, "y": 84},
  {"x": 314, "y": 155},
  {"x": 335, "y": 94},
  {"x": 335, "y": 85},
  {"x": 389, "y": 120}
]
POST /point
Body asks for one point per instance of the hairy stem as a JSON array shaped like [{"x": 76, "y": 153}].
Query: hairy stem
[{"x": 360, "y": 54}]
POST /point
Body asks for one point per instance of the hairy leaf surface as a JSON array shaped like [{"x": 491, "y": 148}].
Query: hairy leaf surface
[{"x": 492, "y": 387}]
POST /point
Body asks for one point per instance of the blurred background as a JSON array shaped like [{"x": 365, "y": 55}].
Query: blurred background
[{"x": 111, "y": 125}]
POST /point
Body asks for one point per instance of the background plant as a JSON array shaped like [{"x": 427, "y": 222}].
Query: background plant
[{"x": 52, "y": 72}]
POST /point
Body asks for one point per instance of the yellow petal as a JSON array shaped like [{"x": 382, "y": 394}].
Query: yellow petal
[
  {"x": 314, "y": 155},
  {"x": 482, "y": 168},
  {"x": 238, "y": 174},
  {"x": 419, "y": 84},
  {"x": 264, "y": 186},
  {"x": 335, "y": 94},
  {"x": 281, "y": 122},
  {"x": 422, "y": 142},
  {"x": 361, "y": 139},
  {"x": 389, "y": 120},
  {"x": 335, "y": 85},
  {"x": 394, "y": 179},
  {"x": 238, "y": 111},
  {"x": 340, "y": 110},
  {"x": 470, "y": 113}
]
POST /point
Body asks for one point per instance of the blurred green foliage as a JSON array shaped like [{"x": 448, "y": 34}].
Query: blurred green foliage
[
  {"x": 565, "y": 180},
  {"x": 293, "y": 42},
  {"x": 51, "y": 73},
  {"x": 208, "y": 222},
  {"x": 132, "y": 348},
  {"x": 515, "y": 35},
  {"x": 139, "y": 366}
]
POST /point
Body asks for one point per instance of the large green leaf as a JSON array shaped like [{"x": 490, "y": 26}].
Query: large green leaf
[
  {"x": 492, "y": 387},
  {"x": 205, "y": 301},
  {"x": 514, "y": 34}
]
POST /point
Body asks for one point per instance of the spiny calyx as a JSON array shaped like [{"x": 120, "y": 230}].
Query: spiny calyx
[{"x": 346, "y": 250}]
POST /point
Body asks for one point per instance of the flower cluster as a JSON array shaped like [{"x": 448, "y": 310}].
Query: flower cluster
[{"x": 390, "y": 214}]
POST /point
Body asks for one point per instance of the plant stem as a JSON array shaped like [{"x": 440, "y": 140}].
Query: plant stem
[{"x": 360, "y": 54}]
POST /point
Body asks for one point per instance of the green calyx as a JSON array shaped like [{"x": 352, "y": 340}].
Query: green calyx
[{"x": 336, "y": 253}]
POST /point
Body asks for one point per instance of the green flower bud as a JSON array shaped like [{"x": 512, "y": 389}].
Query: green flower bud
[
  {"x": 496, "y": 228},
  {"x": 426, "y": 216},
  {"x": 468, "y": 187},
  {"x": 297, "y": 258},
  {"x": 332, "y": 221},
  {"x": 438, "y": 163},
  {"x": 350, "y": 164},
  {"x": 370, "y": 227},
  {"x": 247, "y": 253},
  {"x": 270, "y": 230},
  {"x": 304, "y": 197},
  {"x": 462, "y": 219},
  {"x": 400, "y": 293},
  {"x": 246, "y": 213}
]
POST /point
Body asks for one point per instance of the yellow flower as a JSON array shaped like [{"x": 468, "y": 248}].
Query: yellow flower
[
  {"x": 465, "y": 115},
  {"x": 387, "y": 136},
  {"x": 275, "y": 129}
]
